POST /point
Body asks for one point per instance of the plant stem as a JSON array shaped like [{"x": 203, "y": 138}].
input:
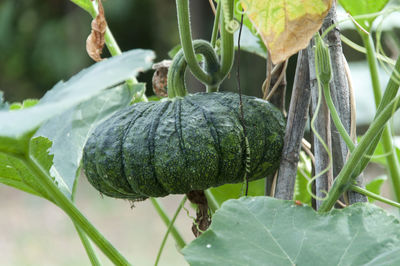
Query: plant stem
[
  {"x": 344, "y": 179},
  {"x": 361, "y": 49},
  {"x": 94, "y": 260},
  {"x": 392, "y": 160},
  {"x": 214, "y": 34},
  {"x": 170, "y": 226},
  {"x": 373, "y": 67},
  {"x": 227, "y": 45},
  {"x": 390, "y": 92},
  {"x": 72, "y": 211},
  {"x": 374, "y": 196},
  {"x": 87, "y": 244},
  {"x": 212, "y": 202},
  {"x": 185, "y": 34},
  {"x": 176, "y": 72},
  {"x": 336, "y": 118},
  {"x": 162, "y": 213}
]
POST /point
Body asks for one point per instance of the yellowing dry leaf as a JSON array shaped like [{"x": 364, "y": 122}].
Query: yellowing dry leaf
[
  {"x": 286, "y": 26},
  {"x": 95, "y": 41}
]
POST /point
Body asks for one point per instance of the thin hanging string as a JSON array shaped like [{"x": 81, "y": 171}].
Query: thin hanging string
[{"x": 247, "y": 148}]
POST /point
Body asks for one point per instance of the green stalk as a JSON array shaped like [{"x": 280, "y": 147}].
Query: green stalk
[
  {"x": 392, "y": 160},
  {"x": 345, "y": 177},
  {"x": 72, "y": 211},
  {"x": 170, "y": 226},
  {"x": 114, "y": 50},
  {"x": 336, "y": 119},
  {"x": 390, "y": 92},
  {"x": 95, "y": 261},
  {"x": 185, "y": 33},
  {"x": 227, "y": 44},
  {"x": 176, "y": 73},
  {"x": 373, "y": 67},
  {"x": 374, "y": 196},
  {"x": 162, "y": 213},
  {"x": 214, "y": 34},
  {"x": 212, "y": 202}
]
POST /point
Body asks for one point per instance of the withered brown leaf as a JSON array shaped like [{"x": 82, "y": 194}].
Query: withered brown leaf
[{"x": 95, "y": 41}]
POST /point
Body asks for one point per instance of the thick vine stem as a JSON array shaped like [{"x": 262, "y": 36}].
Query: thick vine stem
[
  {"x": 346, "y": 176},
  {"x": 227, "y": 42},
  {"x": 185, "y": 34},
  {"x": 390, "y": 92},
  {"x": 392, "y": 160},
  {"x": 214, "y": 34},
  {"x": 176, "y": 74}
]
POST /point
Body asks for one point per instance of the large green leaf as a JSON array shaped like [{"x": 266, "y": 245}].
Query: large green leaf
[
  {"x": 70, "y": 130},
  {"x": 267, "y": 231},
  {"x": 16, "y": 124},
  {"x": 363, "y": 7}
]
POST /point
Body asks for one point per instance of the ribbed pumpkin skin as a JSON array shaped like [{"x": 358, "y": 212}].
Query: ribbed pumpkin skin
[{"x": 172, "y": 147}]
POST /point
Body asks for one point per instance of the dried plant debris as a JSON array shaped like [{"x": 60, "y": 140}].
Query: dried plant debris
[
  {"x": 95, "y": 41},
  {"x": 203, "y": 218},
  {"x": 160, "y": 78}
]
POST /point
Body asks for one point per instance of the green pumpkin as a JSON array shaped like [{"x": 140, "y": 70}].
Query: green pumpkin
[{"x": 152, "y": 149}]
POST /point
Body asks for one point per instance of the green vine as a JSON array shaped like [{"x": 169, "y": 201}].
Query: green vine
[
  {"x": 176, "y": 73},
  {"x": 212, "y": 78},
  {"x": 346, "y": 176}
]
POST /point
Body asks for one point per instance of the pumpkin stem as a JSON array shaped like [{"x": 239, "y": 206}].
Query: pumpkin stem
[{"x": 176, "y": 74}]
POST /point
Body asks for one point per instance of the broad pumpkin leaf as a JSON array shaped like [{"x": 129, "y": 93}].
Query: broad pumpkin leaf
[
  {"x": 268, "y": 231},
  {"x": 69, "y": 131},
  {"x": 363, "y": 7},
  {"x": 286, "y": 26},
  {"x": 16, "y": 125}
]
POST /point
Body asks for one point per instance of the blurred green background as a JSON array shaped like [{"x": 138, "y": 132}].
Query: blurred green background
[{"x": 42, "y": 42}]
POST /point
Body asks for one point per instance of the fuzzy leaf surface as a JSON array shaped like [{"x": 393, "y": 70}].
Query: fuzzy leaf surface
[
  {"x": 15, "y": 125},
  {"x": 268, "y": 231},
  {"x": 69, "y": 131},
  {"x": 363, "y": 7}
]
